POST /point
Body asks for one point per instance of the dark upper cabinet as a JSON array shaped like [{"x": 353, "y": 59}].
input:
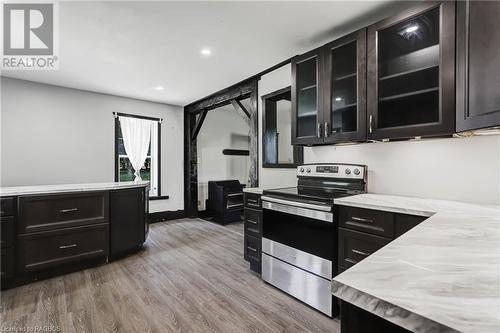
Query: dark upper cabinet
[
  {"x": 344, "y": 89},
  {"x": 307, "y": 98},
  {"x": 478, "y": 64},
  {"x": 328, "y": 92},
  {"x": 411, "y": 73}
]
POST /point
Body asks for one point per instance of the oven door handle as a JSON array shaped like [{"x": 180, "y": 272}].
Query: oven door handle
[{"x": 323, "y": 208}]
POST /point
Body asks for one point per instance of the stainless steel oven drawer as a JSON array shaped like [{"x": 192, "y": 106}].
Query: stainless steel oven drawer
[
  {"x": 301, "y": 259},
  {"x": 309, "y": 288}
]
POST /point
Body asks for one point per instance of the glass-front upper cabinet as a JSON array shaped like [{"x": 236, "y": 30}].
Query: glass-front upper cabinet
[
  {"x": 306, "y": 98},
  {"x": 345, "y": 89},
  {"x": 410, "y": 77}
]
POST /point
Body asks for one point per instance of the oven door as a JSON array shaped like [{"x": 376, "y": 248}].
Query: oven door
[{"x": 303, "y": 226}]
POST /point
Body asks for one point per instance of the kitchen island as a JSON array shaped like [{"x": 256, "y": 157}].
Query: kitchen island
[
  {"x": 441, "y": 276},
  {"x": 48, "y": 230}
]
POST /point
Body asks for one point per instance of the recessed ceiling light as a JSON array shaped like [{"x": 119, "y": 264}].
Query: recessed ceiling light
[
  {"x": 206, "y": 52},
  {"x": 411, "y": 29},
  {"x": 159, "y": 88},
  {"x": 338, "y": 99}
]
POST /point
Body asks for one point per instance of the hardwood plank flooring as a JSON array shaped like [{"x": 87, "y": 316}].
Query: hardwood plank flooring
[{"x": 190, "y": 277}]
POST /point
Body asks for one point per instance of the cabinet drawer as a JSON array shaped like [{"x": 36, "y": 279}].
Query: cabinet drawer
[
  {"x": 253, "y": 222},
  {"x": 403, "y": 223},
  {"x": 252, "y": 249},
  {"x": 46, "y": 249},
  {"x": 7, "y": 206},
  {"x": 50, "y": 212},
  {"x": 355, "y": 246},
  {"x": 7, "y": 231},
  {"x": 252, "y": 200},
  {"x": 371, "y": 221},
  {"x": 7, "y": 262}
]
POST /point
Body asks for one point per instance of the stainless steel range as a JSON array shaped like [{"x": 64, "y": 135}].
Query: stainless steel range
[{"x": 299, "y": 244}]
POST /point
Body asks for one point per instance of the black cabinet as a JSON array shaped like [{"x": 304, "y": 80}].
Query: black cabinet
[
  {"x": 253, "y": 231},
  {"x": 364, "y": 231},
  {"x": 478, "y": 65},
  {"x": 128, "y": 219},
  {"x": 410, "y": 74},
  {"x": 307, "y": 96},
  {"x": 329, "y": 92},
  {"x": 344, "y": 89}
]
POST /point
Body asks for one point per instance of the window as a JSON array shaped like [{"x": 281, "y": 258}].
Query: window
[{"x": 124, "y": 171}]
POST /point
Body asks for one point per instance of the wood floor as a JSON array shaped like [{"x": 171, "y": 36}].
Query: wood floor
[{"x": 191, "y": 277}]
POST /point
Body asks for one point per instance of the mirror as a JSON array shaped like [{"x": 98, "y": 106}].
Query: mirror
[{"x": 277, "y": 149}]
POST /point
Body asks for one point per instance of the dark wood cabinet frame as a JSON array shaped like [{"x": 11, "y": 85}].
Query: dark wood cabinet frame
[
  {"x": 296, "y": 61},
  {"x": 192, "y": 125},
  {"x": 360, "y": 134},
  {"x": 117, "y": 166},
  {"x": 482, "y": 117},
  {"x": 269, "y": 119},
  {"x": 446, "y": 124}
]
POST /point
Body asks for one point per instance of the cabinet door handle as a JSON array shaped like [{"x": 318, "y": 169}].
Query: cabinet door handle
[
  {"x": 327, "y": 129},
  {"x": 251, "y": 221},
  {"x": 359, "y": 219},
  {"x": 67, "y": 246},
  {"x": 371, "y": 119},
  {"x": 319, "y": 131},
  {"x": 68, "y": 210},
  {"x": 252, "y": 248},
  {"x": 360, "y": 252}
]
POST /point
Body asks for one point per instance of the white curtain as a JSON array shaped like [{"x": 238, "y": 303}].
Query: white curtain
[{"x": 136, "y": 138}]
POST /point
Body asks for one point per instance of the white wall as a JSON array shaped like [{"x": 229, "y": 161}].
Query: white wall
[
  {"x": 465, "y": 169},
  {"x": 223, "y": 128},
  {"x": 55, "y": 135},
  {"x": 271, "y": 177}
]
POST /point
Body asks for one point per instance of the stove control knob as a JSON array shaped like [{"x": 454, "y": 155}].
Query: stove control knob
[
  {"x": 308, "y": 170},
  {"x": 356, "y": 172},
  {"x": 347, "y": 171},
  {"x": 301, "y": 169}
]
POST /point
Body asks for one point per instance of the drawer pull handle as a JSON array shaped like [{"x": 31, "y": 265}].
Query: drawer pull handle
[
  {"x": 251, "y": 221},
  {"x": 359, "y": 219},
  {"x": 252, "y": 248},
  {"x": 360, "y": 252},
  {"x": 67, "y": 246},
  {"x": 68, "y": 210}
]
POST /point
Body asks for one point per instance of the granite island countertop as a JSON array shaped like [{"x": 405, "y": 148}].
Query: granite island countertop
[
  {"x": 64, "y": 188},
  {"x": 441, "y": 276}
]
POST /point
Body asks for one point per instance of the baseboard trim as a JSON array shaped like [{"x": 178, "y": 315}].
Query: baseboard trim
[{"x": 166, "y": 215}]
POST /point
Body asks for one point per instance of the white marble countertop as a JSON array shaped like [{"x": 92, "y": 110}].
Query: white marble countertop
[
  {"x": 42, "y": 189},
  {"x": 441, "y": 276}
]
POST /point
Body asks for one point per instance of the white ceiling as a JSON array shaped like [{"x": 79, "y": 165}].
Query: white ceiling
[{"x": 128, "y": 48}]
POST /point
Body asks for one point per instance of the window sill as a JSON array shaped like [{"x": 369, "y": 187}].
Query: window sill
[{"x": 161, "y": 197}]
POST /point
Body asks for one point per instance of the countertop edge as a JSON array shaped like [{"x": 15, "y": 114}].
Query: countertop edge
[
  {"x": 69, "y": 188},
  {"x": 395, "y": 314},
  {"x": 398, "y": 210}
]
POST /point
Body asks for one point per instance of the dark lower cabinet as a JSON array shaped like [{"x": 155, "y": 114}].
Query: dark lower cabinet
[
  {"x": 252, "y": 246},
  {"x": 128, "y": 220},
  {"x": 478, "y": 65},
  {"x": 359, "y": 236},
  {"x": 364, "y": 231},
  {"x": 52, "y": 234},
  {"x": 42, "y": 250},
  {"x": 357, "y": 320}
]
